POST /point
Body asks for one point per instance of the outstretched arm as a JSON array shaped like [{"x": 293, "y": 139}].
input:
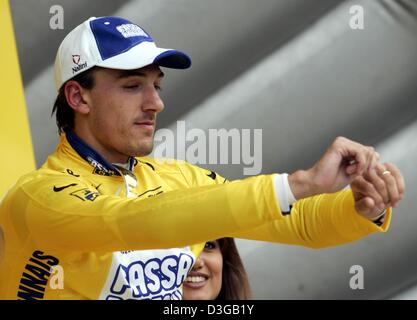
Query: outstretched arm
[{"x": 329, "y": 219}]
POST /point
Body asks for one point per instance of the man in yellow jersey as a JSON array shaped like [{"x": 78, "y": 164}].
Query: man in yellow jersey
[{"x": 100, "y": 220}]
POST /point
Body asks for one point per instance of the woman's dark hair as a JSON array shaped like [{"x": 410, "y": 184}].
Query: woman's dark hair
[
  {"x": 64, "y": 113},
  {"x": 235, "y": 283}
]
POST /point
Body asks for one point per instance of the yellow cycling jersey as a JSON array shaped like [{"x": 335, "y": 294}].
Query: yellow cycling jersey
[{"x": 81, "y": 228}]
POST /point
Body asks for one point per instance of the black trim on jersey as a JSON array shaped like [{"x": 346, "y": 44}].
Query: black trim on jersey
[
  {"x": 149, "y": 191},
  {"x": 147, "y": 163},
  {"x": 212, "y": 175},
  {"x": 286, "y": 213}
]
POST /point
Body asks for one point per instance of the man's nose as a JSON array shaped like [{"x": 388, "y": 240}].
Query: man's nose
[{"x": 152, "y": 101}]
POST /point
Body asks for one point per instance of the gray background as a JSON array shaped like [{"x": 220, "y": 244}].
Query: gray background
[{"x": 293, "y": 68}]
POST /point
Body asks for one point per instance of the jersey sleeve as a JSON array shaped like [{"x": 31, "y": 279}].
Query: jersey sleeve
[
  {"x": 78, "y": 218},
  {"x": 197, "y": 176},
  {"x": 318, "y": 222}
]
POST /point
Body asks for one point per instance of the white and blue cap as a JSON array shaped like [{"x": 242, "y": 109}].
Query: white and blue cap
[{"x": 111, "y": 42}]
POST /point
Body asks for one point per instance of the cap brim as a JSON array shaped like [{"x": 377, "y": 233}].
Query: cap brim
[
  {"x": 173, "y": 59},
  {"x": 145, "y": 54}
]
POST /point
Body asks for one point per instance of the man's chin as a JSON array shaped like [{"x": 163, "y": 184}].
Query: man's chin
[{"x": 143, "y": 150}]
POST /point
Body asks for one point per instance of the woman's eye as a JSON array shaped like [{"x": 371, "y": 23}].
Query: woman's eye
[{"x": 210, "y": 245}]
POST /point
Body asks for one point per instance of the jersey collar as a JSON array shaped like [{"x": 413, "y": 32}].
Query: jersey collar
[{"x": 101, "y": 166}]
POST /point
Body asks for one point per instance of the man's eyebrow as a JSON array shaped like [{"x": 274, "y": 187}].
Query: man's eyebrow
[{"x": 135, "y": 73}]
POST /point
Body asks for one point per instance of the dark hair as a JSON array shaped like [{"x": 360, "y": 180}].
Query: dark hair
[
  {"x": 235, "y": 283},
  {"x": 64, "y": 113}
]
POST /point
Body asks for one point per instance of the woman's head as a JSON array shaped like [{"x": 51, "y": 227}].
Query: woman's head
[{"x": 217, "y": 274}]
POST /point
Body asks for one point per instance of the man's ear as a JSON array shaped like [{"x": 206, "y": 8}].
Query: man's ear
[{"x": 76, "y": 97}]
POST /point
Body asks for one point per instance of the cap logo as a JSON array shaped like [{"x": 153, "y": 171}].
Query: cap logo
[
  {"x": 131, "y": 30},
  {"x": 76, "y": 58}
]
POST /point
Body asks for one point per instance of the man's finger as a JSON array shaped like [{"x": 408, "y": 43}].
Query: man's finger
[
  {"x": 378, "y": 183},
  {"x": 365, "y": 206},
  {"x": 358, "y": 163},
  {"x": 391, "y": 184},
  {"x": 364, "y": 159},
  {"x": 367, "y": 190},
  {"x": 398, "y": 177},
  {"x": 374, "y": 158}
]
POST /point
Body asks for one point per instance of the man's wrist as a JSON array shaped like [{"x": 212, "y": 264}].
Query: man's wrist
[
  {"x": 301, "y": 184},
  {"x": 379, "y": 216},
  {"x": 379, "y": 220}
]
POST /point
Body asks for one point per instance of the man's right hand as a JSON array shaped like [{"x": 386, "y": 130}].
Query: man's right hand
[
  {"x": 342, "y": 162},
  {"x": 377, "y": 190}
]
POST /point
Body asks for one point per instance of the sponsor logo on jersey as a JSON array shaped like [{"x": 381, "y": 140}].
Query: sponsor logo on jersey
[
  {"x": 35, "y": 276},
  {"x": 59, "y": 189},
  {"x": 100, "y": 169},
  {"x": 158, "y": 278},
  {"x": 69, "y": 171},
  {"x": 85, "y": 194}
]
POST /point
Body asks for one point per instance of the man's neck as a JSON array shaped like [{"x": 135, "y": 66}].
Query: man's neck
[{"x": 109, "y": 155}]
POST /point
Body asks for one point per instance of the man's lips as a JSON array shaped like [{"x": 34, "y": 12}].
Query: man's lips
[{"x": 147, "y": 124}]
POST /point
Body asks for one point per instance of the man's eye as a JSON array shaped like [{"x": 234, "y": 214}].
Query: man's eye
[
  {"x": 131, "y": 87},
  {"x": 158, "y": 88}
]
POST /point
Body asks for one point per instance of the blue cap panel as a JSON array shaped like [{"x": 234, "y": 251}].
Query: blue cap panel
[{"x": 116, "y": 35}]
